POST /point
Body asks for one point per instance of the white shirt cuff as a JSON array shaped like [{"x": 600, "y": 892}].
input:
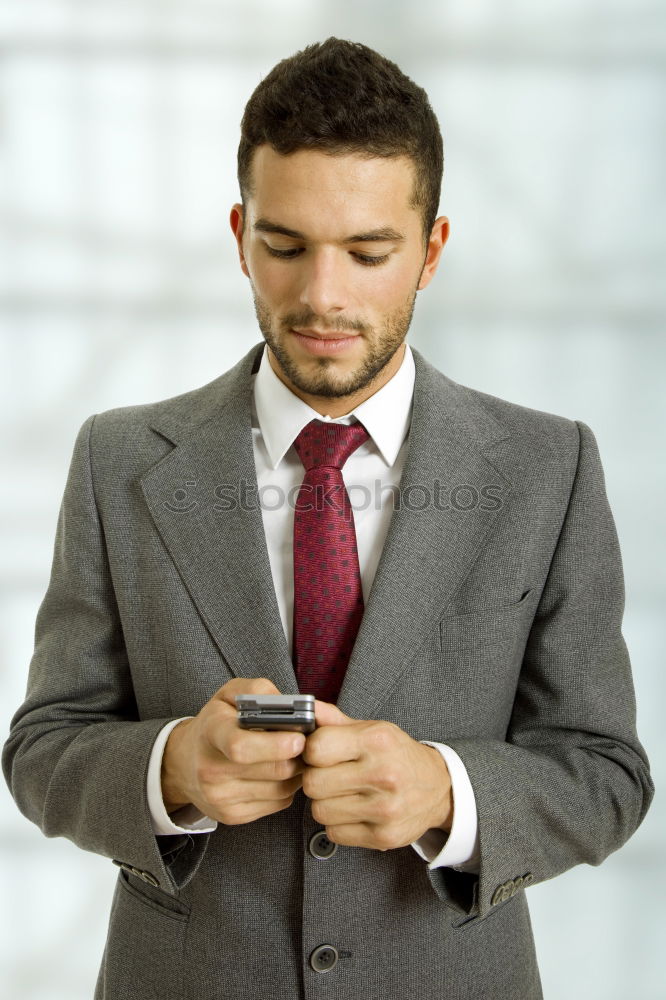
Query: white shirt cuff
[
  {"x": 190, "y": 819},
  {"x": 460, "y": 849}
]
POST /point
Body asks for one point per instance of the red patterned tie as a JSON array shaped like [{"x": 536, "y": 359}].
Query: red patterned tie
[{"x": 328, "y": 600}]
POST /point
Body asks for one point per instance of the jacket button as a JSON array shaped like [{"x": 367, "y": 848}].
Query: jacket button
[
  {"x": 324, "y": 958},
  {"x": 502, "y": 893},
  {"x": 321, "y": 847}
]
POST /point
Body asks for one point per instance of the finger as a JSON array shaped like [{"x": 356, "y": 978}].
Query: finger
[
  {"x": 345, "y": 809},
  {"x": 246, "y": 746},
  {"x": 271, "y": 791},
  {"x": 245, "y": 685},
  {"x": 330, "y": 745},
  {"x": 238, "y": 792},
  {"x": 354, "y": 835},
  {"x": 275, "y": 770},
  {"x": 332, "y": 782},
  {"x": 328, "y": 714},
  {"x": 251, "y": 811}
]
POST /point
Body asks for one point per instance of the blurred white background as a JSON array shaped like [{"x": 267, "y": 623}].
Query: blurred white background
[{"x": 119, "y": 284}]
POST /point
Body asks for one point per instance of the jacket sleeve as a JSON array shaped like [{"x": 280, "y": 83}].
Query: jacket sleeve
[
  {"x": 571, "y": 781},
  {"x": 77, "y": 755}
]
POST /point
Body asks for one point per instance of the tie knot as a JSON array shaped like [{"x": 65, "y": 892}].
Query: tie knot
[{"x": 320, "y": 443}]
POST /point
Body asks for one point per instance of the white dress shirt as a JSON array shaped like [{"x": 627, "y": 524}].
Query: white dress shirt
[{"x": 370, "y": 474}]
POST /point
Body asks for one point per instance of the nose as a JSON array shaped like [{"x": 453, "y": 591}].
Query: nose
[{"x": 324, "y": 283}]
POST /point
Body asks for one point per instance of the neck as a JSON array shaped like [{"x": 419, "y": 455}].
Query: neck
[{"x": 340, "y": 406}]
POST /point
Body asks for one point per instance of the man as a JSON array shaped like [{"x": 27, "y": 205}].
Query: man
[{"x": 460, "y": 627}]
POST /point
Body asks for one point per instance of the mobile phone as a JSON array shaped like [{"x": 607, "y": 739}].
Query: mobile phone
[{"x": 295, "y": 712}]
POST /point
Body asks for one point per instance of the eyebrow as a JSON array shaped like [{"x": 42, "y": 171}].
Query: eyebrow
[{"x": 386, "y": 233}]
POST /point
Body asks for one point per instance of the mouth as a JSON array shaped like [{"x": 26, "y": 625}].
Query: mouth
[{"x": 319, "y": 343}]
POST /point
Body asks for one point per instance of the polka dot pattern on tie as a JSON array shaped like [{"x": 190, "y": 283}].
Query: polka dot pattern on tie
[{"x": 328, "y": 598}]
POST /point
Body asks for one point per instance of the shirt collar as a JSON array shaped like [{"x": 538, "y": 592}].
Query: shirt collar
[{"x": 281, "y": 415}]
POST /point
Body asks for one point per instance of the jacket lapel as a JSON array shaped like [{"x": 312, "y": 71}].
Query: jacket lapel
[
  {"x": 219, "y": 547},
  {"x": 428, "y": 552}
]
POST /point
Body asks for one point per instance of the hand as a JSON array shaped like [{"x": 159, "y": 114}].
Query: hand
[
  {"x": 231, "y": 774},
  {"x": 371, "y": 784}
]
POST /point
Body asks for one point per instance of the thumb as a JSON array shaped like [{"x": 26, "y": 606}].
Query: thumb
[{"x": 327, "y": 714}]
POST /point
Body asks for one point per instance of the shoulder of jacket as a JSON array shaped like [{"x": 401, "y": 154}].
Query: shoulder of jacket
[
  {"x": 178, "y": 415},
  {"x": 510, "y": 419}
]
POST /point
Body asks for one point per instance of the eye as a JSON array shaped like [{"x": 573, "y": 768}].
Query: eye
[
  {"x": 371, "y": 261},
  {"x": 362, "y": 258},
  {"x": 285, "y": 254}
]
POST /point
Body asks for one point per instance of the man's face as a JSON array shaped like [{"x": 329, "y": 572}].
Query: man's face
[{"x": 348, "y": 262}]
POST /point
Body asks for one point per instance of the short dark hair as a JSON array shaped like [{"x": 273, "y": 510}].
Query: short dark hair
[{"x": 343, "y": 97}]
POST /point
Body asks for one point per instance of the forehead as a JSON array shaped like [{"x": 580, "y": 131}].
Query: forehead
[{"x": 311, "y": 188}]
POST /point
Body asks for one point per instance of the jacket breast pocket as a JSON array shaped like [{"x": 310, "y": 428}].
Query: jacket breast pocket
[
  {"x": 480, "y": 659},
  {"x": 486, "y": 626}
]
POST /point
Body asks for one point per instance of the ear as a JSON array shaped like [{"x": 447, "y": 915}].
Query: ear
[
  {"x": 438, "y": 237},
  {"x": 236, "y": 222}
]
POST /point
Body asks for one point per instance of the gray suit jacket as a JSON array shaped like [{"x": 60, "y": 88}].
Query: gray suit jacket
[{"x": 493, "y": 625}]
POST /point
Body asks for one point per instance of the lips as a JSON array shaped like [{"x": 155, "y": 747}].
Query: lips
[
  {"x": 322, "y": 344},
  {"x": 325, "y": 336}
]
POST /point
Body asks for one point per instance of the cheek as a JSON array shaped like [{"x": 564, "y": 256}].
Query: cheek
[
  {"x": 389, "y": 289},
  {"x": 272, "y": 283}
]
